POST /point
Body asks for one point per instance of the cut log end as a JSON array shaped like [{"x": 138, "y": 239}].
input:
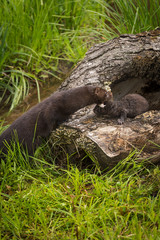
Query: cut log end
[{"x": 109, "y": 142}]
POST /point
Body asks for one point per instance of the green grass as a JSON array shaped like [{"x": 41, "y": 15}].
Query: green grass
[
  {"x": 36, "y": 35},
  {"x": 41, "y": 201}
]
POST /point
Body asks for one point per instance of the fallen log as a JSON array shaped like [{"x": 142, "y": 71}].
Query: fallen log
[{"x": 127, "y": 64}]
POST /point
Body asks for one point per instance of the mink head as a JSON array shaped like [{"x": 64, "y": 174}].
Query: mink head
[{"x": 102, "y": 95}]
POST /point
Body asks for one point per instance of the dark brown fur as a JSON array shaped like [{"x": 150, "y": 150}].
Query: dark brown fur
[
  {"x": 129, "y": 106},
  {"x": 40, "y": 120}
]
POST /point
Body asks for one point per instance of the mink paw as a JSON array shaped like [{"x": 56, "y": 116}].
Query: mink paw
[
  {"x": 96, "y": 110},
  {"x": 120, "y": 121}
]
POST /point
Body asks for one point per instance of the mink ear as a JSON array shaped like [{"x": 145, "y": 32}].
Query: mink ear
[{"x": 97, "y": 90}]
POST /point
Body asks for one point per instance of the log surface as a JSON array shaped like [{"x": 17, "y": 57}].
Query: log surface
[{"x": 127, "y": 64}]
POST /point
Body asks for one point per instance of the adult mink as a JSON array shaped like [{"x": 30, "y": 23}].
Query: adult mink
[
  {"x": 41, "y": 119},
  {"x": 130, "y": 106}
]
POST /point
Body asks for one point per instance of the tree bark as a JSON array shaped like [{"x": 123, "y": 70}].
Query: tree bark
[{"x": 127, "y": 64}]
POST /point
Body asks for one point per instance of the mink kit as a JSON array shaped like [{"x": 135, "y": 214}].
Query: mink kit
[{"x": 130, "y": 106}]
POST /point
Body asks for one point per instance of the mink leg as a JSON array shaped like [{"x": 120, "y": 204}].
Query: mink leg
[{"x": 123, "y": 117}]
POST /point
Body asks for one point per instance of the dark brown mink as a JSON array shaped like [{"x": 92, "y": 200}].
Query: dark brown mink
[
  {"x": 41, "y": 119},
  {"x": 130, "y": 106}
]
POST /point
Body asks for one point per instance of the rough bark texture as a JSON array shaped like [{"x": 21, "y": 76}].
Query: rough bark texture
[{"x": 128, "y": 64}]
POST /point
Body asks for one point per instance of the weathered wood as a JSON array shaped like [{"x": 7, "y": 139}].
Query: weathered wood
[{"x": 127, "y": 64}]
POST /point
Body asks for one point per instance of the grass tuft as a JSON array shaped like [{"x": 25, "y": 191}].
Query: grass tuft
[{"x": 40, "y": 201}]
